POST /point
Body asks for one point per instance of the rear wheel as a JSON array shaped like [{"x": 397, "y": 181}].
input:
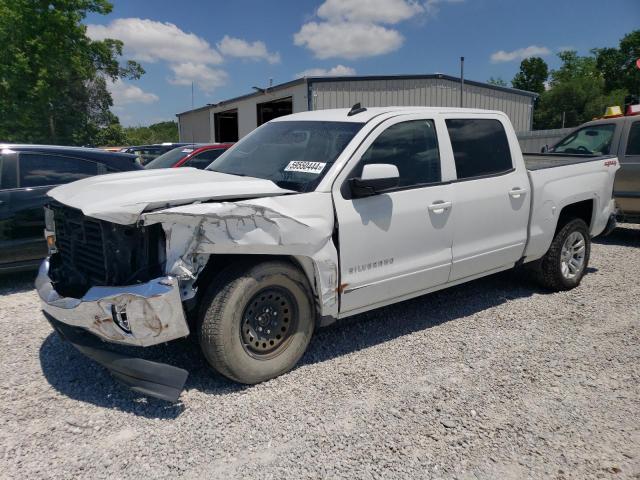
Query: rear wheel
[
  {"x": 257, "y": 321},
  {"x": 566, "y": 261}
]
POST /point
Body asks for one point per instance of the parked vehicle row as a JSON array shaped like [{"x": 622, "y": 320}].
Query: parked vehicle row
[
  {"x": 27, "y": 172},
  {"x": 197, "y": 156},
  {"x": 312, "y": 217},
  {"x": 146, "y": 153}
]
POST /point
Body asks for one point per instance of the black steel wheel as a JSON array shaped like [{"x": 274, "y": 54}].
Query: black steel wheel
[
  {"x": 268, "y": 320},
  {"x": 256, "y": 320}
]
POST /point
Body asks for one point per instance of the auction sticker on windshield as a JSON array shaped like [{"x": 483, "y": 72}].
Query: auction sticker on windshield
[{"x": 305, "y": 167}]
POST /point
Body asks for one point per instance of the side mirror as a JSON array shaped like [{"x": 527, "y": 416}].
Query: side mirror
[
  {"x": 375, "y": 179},
  {"x": 544, "y": 149}
]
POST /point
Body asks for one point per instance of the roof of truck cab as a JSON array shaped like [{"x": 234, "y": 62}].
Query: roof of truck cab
[{"x": 341, "y": 114}]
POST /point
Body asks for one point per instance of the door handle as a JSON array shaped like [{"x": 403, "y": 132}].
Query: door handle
[
  {"x": 517, "y": 192},
  {"x": 439, "y": 207}
]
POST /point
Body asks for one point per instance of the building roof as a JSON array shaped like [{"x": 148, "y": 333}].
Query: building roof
[{"x": 358, "y": 78}]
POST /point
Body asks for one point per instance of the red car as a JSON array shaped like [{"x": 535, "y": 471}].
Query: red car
[{"x": 197, "y": 156}]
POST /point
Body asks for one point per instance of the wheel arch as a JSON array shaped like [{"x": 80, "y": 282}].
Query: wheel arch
[
  {"x": 583, "y": 209},
  {"x": 217, "y": 263}
]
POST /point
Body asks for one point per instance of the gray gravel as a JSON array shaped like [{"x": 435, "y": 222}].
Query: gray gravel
[{"x": 493, "y": 379}]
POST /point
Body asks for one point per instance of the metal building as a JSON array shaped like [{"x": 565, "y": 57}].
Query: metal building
[{"x": 228, "y": 120}]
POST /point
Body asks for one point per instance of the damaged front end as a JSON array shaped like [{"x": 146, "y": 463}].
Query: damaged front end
[
  {"x": 296, "y": 226},
  {"x": 129, "y": 284}
]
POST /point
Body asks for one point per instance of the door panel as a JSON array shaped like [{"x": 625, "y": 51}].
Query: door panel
[
  {"x": 393, "y": 245},
  {"x": 24, "y": 225},
  {"x": 492, "y": 198},
  {"x": 399, "y": 242},
  {"x": 490, "y": 225},
  {"x": 627, "y": 183}
]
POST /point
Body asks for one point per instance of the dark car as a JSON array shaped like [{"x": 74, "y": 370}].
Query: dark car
[
  {"x": 146, "y": 153},
  {"x": 196, "y": 156},
  {"x": 27, "y": 172}
]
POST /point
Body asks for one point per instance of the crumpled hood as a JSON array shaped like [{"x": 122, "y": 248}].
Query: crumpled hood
[{"x": 122, "y": 197}]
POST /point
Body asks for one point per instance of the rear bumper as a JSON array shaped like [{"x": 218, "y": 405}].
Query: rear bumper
[
  {"x": 141, "y": 315},
  {"x": 149, "y": 378},
  {"x": 611, "y": 225}
]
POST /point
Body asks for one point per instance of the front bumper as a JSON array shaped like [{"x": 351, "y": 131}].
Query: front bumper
[
  {"x": 149, "y": 378},
  {"x": 152, "y": 312},
  {"x": 141, "y": 315}
]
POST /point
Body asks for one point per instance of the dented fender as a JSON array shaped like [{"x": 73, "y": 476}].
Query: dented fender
[{"x": 294, "y": 225}]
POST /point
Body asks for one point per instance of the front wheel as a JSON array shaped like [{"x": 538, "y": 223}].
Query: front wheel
[
  {"x": 257, "y": 322},
  {"x": 566, "y": 261}
]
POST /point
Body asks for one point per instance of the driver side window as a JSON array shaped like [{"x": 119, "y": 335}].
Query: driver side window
[{"x": 412, "y": 147}]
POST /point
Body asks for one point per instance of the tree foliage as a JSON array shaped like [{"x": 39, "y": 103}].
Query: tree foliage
[
  {"x": 156, "y": 133},
  {"x": 53, "y": 78},
  {"x": 498, "y": 82},
  {"x": 583, "y": 86},
  {"x": 532, "y": 76}
]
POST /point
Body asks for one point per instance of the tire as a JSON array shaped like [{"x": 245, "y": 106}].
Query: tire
[
  {"x": 554, "y": 270},
  {"x": 271, "y": 296}
]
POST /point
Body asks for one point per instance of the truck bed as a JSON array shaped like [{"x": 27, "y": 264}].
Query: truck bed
[{"x": 538, "y": 161}]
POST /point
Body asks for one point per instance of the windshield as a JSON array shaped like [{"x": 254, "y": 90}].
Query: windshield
[
  {"x": 294, "y": 155},
  {"x": 591, "y": 140},
  {"x": 169, "y": 159}
]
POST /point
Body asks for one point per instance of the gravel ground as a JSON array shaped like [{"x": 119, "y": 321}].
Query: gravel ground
[{"x": 493, "y": 379}]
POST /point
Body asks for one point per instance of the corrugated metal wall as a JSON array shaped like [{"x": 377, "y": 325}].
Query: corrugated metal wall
[
  {"x": 533, "y": 141},
  {"x": 195, "y": 126},
  {"x": 433, "y": 92}
]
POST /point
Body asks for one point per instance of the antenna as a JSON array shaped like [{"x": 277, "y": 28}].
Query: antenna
[
  {"x": 193, "y": 139},
  {"x": 356, "y": 109},
  {"x": 461, "y": 82}
]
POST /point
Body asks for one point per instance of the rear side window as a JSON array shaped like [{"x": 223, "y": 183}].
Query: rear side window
[
  {"x": 203, "y": 159},
  {"x": 480, "y": 147},
  {"x": 633, "y": 144},
  {"x": 412, "y": 147},
  {"x": 38, "y": 170}
]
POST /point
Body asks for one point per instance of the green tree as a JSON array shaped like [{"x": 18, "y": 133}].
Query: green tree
[
  {"x": 499, "y": 82},
  {"x": 156, "y": 133},
  {"x": 52, "y": 76},
  {"x": 576, "y": 93},
  {"x": 630, "y": 51},
  {"x": 532, "y": 76}
]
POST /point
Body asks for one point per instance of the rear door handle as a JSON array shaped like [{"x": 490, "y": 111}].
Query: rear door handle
[
  {"x": 517, "y": 192},
  {"x": 439, "y": 207}
]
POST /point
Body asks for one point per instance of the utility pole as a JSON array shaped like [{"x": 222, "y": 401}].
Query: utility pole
[{"x": 461, "y": 81}]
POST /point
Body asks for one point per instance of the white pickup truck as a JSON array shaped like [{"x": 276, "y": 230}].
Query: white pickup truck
[{"x": 312, "y": 217}]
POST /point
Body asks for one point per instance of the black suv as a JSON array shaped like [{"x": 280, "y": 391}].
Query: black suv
[{"x": 27, "y": 172}]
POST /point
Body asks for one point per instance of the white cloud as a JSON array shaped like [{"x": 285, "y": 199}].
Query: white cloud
[
  {"x": 151, "y": 41},
  {"x": 125, "y": 93},
  {"x": 347, "y": 40},
  {"x": 206, "y": 78},
  {"x": 519, "y": 54},
  {"x": 337, "y": 71},
  {"x": 236, "y": 47},
  {"x": 354, "y": 29},
  {"x": 189, "y": 56},
  {"x": 369, "y": 11}
]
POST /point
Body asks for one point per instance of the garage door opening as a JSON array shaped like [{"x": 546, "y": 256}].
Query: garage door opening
[
  {"x": 274, "y": 109},
  {"x": 226, "y": 126}
]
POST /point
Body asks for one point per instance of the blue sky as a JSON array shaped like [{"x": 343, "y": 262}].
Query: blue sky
[{"x": 226, "y": 47}]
